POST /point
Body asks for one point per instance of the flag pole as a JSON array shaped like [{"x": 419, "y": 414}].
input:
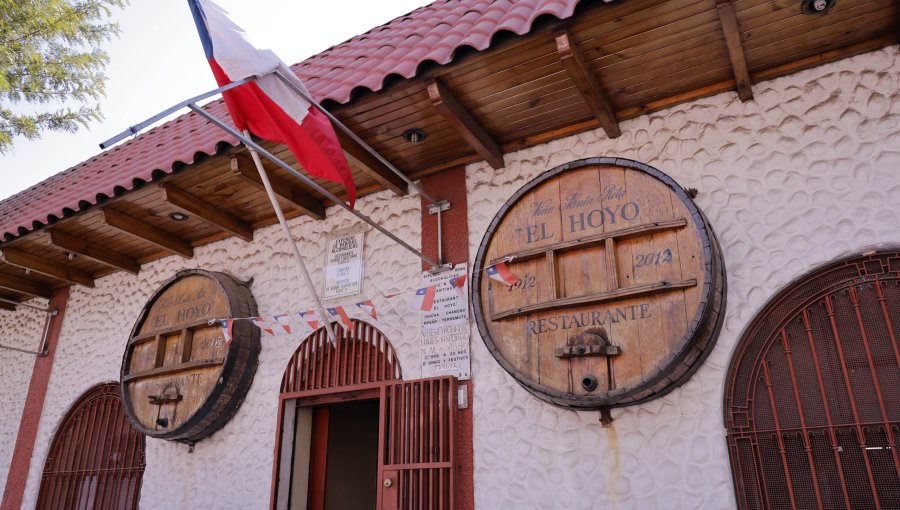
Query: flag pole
[
  {"x": 308, "y": 181},
  {"x": 304, "y": 273}
]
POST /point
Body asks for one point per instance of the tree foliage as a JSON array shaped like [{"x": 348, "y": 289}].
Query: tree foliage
[{"x": 50, "y": 57}]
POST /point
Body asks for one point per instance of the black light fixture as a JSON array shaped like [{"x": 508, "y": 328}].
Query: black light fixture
[
  {"x": 177, "y": 216},
  {"x": 414, "y": 135},
  {"x": 816, "y": 6}
]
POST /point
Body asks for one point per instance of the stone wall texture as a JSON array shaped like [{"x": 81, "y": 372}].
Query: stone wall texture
[
  {"x": 807, "y": 172},
  {"x": 21, "y": 329}
]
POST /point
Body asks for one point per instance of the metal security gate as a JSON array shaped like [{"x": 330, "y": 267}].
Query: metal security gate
[
  {"x": 96, "y": 460},
  {"x": 813, "y": 394},
  {"x": 416, "y": 446}
]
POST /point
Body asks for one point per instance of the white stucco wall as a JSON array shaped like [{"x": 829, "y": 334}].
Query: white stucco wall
[
  {"x": 23, "y": 329},
  {"x": 807, "y": 172},
  {"x": 231, "y": 469}
]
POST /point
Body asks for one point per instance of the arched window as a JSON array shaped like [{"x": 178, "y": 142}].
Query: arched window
[
  {"x": 812, "y": 402},
  {"x": 96, "y": 460}
]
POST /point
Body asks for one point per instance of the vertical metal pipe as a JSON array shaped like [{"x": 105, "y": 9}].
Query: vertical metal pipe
[
  {"x": 829, "y": 307},
  {"x": 828, "y": 420},
  {"x": 854, "y": 298},
  {"x": 796, "y": 390},
  {"x": 778, "y": 435}
]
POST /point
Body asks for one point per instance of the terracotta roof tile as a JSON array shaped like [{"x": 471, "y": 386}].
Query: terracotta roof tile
[{"x": 431, "y": 33}]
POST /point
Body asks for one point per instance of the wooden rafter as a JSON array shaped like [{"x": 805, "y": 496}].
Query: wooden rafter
[
  {"x": 24, "y": 286},
  {"x": 215, "y": 216},
  {"x": 46, "y": 267},
  {"x": 371, "y": 166},
  {"x": 297, "y": 198},
  {"x": 147, "y": 232},
  {"x": 732, "y": 35},
  {"x": 587, "y": 84},
  {"x": 94, "y": 252},
  {"x": 462, "y": 121},
  {"x": 7, "y": 306}
]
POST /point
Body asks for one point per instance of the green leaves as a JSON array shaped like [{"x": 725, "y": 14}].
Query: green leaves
[{"x": 50, "y": 57}]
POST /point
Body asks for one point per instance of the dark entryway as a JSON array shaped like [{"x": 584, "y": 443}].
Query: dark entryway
[{"x": 347, "y": 471}]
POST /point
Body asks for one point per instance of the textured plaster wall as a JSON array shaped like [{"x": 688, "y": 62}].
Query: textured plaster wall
[
  {"x": 231, "y": 469},
  {"x": 21, "y": 329},
  {"x": 807, "y": 172}
]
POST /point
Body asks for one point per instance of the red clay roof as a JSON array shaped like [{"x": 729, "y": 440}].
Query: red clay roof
[{"x": 431, "y": 33}]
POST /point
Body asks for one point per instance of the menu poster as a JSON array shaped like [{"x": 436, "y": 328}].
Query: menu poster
[
  {"x": 445, "y": 328},
  {"x": 343, "y": 265}
]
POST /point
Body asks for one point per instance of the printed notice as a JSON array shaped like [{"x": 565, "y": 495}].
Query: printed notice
[
  {"x": 343, "y": 265},
  {"x": 445, "y": 328}
]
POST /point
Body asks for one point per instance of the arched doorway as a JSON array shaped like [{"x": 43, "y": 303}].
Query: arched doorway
[
  {"x": 353, "y": 434},
  {"x": 812, "y": 401},
  {"x": 96, "y": 460}
]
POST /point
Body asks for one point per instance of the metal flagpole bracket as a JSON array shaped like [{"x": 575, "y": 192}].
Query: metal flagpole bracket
[
  {"x": 43, "y": 348},
  {"x": 437, "y": 208}
]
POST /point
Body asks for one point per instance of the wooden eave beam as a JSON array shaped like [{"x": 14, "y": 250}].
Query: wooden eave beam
[
  {"x": 371, "y": 166},
  {"x": 46, "y": 267},
  {"x": 147, "y": 232},
  {"x": 96, "y": 253},
  {"x": 7, "y": 306},
  {"x": 24, "y": 286},
  {"x": 297, "y": 198},
  {"x": 192, "y": 205},
  {"x": 587, "y": 83},
  {"x": 462, "y": 121},
  {"x": 732, "y": 34}
]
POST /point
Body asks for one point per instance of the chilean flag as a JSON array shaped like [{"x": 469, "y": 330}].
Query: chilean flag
[
  {"x": 369, "y": 307},
  {"x": 227, "y": 326},
  {"x": 459, "y": 285},
  {"x": 311, "y": 318},
  {"x": 501, "y": 273},
  {"x": 424, "y": 298},
  {"x": 268, "y": 107},
  {"x": 340, "y": 314}
]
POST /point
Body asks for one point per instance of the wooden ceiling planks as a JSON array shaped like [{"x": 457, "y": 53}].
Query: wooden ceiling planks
[{"x": 646, "y": 54}]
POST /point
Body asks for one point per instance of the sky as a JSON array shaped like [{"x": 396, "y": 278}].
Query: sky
[{"x": 157, "y": 62}]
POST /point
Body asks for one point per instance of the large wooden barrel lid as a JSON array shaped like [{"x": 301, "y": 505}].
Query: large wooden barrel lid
[
  {"x": 622, "y": 286},
  {"x": 181, "y": 380}
]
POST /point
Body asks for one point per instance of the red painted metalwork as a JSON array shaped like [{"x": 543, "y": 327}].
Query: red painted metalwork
[
  {"x": 357, "y": 360},
  {"x": 415, "y": 445},
  {"x": 812, "y": 406},
  {"x": 96, "y": 460}
]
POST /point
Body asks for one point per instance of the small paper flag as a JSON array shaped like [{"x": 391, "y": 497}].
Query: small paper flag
[
  {"x": 262, "y": 324},
  {"x": 459, "y": 285},
  {"x": 311, "y": 318},
  {"x": 341, "y": 315},
  {"x": 284, "y": 320},
  {"x": 424, "y": 298},
  {"x": 227, "y": 330},
  {"x": 501, "y": 273},
  {"x": 369, "y": 307}
]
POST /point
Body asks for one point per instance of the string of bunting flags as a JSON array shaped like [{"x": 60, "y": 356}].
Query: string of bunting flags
[{"x": 423, "y": 300}]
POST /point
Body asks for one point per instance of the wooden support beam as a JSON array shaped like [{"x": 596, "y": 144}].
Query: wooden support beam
[
  {"x": 147, "y": 232},
  {"x": 189, "y": 204},
  {"x": 24, "y": 286},
  {"x": 461, "y": 120},
  {"x": 732, "y": 35},
  {"x": 371, "y": 166},
  {"x": 46, "y": 267},
  {"x": 7, "y": 306},
  {"x": 244, "y": 168},
  {"x": 94, "y": 252},
  {"x": 587, "y": 84}
]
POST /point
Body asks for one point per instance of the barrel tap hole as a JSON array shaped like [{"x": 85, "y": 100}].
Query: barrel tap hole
[{"x": 589, "y": 383}]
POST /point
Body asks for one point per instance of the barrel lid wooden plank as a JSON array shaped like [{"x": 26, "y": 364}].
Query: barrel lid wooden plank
[
  {"x": 181, "y": 380},
  {"x": 621, "y": 277}
]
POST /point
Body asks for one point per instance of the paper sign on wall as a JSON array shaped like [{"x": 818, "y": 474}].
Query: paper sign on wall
[
  {"x": 343, "y": 265},
  {"x": 445, "y": 328}
]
